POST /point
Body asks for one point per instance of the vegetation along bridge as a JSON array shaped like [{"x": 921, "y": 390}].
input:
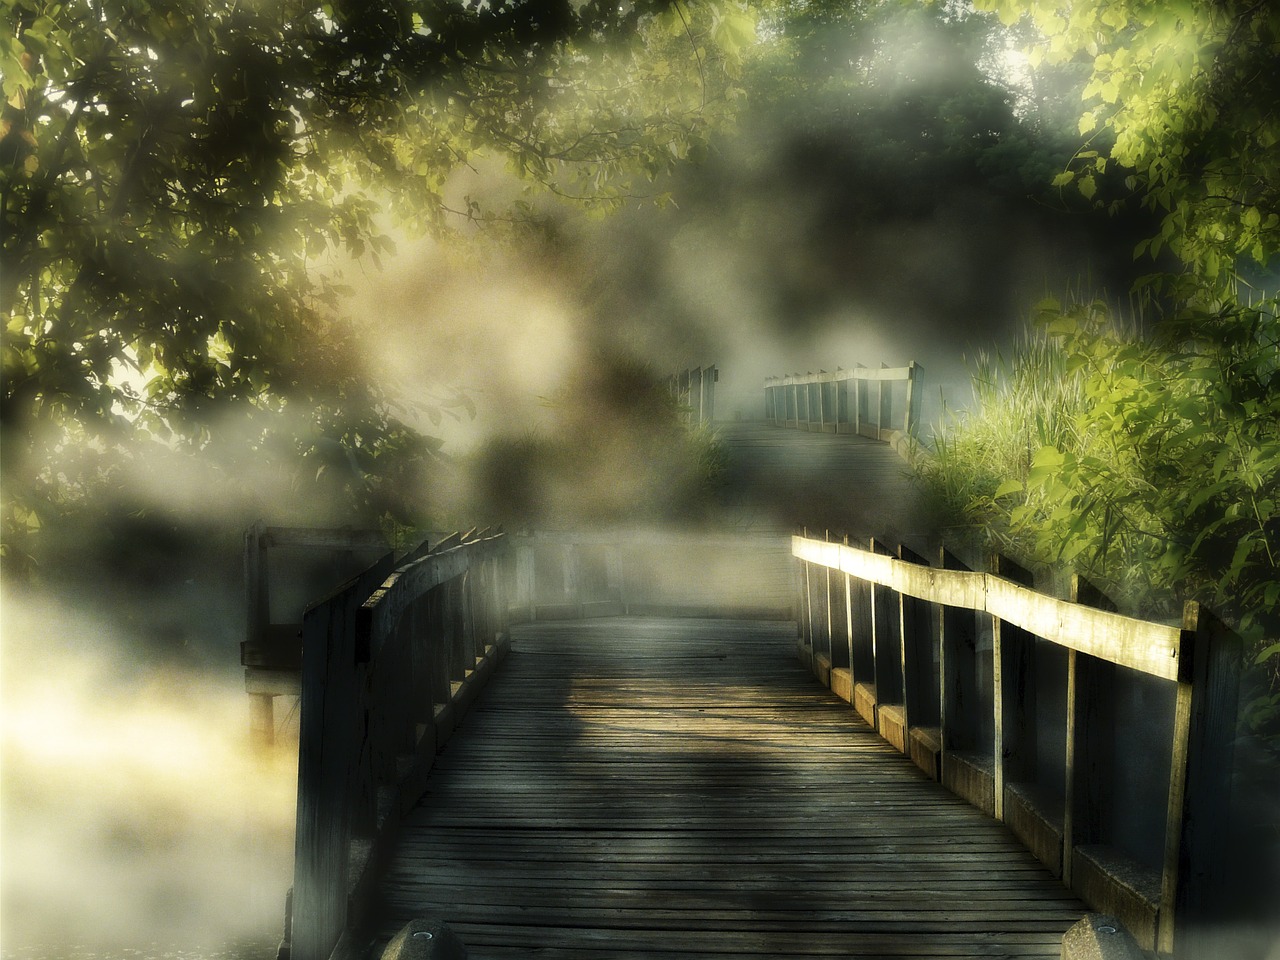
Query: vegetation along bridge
[{"x": 650, "y": 769}]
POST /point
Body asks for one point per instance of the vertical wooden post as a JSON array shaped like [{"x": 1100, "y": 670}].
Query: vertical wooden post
[
  {"x": 859, "y": 408},
  {"x": 1090, "y": 749},
  {"x": 958, "y": 677},
  {"x": 1014, "y": 691},
  {"x": 885, "y": 414},
  {"x": 710, "y": 376},
  {"x": 848, "y": 621},
  {"x": 1200, "y": 777},
  {"x": 457, "y": 631},
  {"x": 808, "y": 604},
  {"x": 886, "y": 654},
  {"x": 911, "y": 416},
  {"x": 830, "y": 610},
  {"x": 434, "y": 624},
  {"x": 695, "y": 396},
  {"x": 919, "y": 692}
]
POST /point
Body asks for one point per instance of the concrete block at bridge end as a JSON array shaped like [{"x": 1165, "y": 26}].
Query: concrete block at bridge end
[
  {"x": 425, "y": 939},
  {"x": 1100, "y": 937}
]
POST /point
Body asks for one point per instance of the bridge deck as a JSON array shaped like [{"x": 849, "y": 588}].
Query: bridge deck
[
  {"x": 639, "y": 788},
  {"x": 779, "y": 477}
]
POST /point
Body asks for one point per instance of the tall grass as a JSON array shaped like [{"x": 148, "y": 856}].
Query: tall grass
[{"x": 1021, "y": 403}]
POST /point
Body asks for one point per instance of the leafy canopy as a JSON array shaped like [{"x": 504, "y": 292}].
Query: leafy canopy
[
  {"x": 1187, "y": 92},
  {"x": 174, "y": 177}
]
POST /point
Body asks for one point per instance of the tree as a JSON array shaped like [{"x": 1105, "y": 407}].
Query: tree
[
  {"x": 1164, "y": 467},
  {"x": 173, "y": 175},
  {"x": 1188, "y": 94}
]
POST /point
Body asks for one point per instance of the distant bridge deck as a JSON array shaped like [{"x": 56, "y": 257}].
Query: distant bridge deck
[
  {"x": 779, "y": 479},
  {"x": 644, "y": 787}
]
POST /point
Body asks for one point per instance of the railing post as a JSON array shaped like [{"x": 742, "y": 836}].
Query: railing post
[
  {"x": 822, "y": 403},
  {"x": 830, "y": 613},
  {"x": 849, "y": 625},
  {"x": 1200, "y": 777},
  {"x": 967, "y": 756},
  {"x": 886, "y": 686},
  {"x": 808, "y": 609},
  {"x": 920, "y": 695},
  {"x": 885, "y": 414},
  {"x": 1014, "y": 692},
  {"x": 859, "y": 408},
  {"x": 442, "y": 628},
  {"x": 911, "y": 417},
  {"x": 1090, "y": 747},
  {"x": 710, "y": 375}
]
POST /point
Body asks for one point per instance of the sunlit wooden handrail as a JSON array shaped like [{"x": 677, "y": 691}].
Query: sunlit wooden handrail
[
  {"x": 1153, "y": 648},
  {"x": 911, "y": 673}
]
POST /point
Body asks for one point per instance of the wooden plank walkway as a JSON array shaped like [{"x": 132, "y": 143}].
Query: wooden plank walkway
[
  {"x": 633, "y": 788},
  {"x": 780, "y": 477}
]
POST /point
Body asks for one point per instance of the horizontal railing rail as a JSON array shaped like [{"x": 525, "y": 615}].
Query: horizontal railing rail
[
  {"x": 857, "y": 401},
  {"x": 390, "y": 663},
  {"x": 1024, "y": 704}
]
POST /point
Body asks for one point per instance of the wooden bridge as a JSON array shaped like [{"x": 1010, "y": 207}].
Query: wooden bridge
[{"x": 749, "y": 743}]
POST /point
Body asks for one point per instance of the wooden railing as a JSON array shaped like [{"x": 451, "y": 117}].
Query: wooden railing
[
  {"x": 695, "y": 391},
  {"x": 389, "y": 664},
  {"x": 859, "y": 401},
  {"x": 1023, "y": 704}
]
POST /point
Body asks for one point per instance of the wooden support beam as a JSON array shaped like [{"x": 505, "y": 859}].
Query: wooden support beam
[{"x": 1199, "y": 786}]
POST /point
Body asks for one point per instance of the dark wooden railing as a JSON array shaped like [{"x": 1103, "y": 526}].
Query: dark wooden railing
[
  {"x": 390, "y": 663},
  {"x": 1024, "y": 704},
  {"x": 858, "y": 401}
]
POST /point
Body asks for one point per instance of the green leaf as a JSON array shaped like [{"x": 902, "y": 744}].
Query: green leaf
[{"x": 1008, "y": 487}]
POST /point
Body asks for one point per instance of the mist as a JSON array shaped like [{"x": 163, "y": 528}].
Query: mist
[{"x": 134, "y": 810}]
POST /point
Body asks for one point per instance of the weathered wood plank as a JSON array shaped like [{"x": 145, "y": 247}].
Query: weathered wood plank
[{"x": 643, "y": 788}]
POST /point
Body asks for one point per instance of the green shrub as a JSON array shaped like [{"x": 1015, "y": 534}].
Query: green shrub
[{"x": 1150, "y": 465}]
